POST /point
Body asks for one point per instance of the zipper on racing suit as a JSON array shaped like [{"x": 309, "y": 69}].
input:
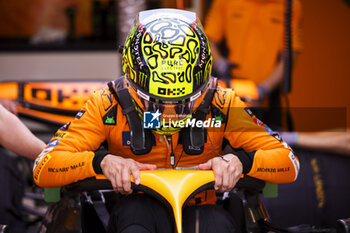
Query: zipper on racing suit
[{"x": 169, "y": 140}]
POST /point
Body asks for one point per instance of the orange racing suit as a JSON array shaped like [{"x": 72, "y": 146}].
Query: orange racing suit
[{"x": 71, "y": 154}]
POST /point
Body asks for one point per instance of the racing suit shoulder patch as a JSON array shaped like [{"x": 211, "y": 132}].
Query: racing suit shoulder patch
[
  {"x": 218, "y": 114},
  {"x": 59, "y": 135},
  {"x": 221, "y": 97},
  {"x": 79, "y": 114},
  {"x": 65, "y": 127},
  {"x": 107, "y": 99},
  {"x": 39, "y": 167},
  {"x": 110, "y": 118}
]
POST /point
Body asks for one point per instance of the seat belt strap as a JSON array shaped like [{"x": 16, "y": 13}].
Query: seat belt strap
[
  {"x": 139, "y": 142},
  {"x": 98, "y": 201}
]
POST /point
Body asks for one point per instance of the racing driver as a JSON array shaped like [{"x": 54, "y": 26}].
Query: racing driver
[{"x": 166, "y": 111}]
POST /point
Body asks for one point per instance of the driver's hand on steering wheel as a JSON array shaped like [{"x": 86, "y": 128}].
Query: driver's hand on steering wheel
[
  {"x": 227, "y": 171},
  {"x": 118, "y": 171}
]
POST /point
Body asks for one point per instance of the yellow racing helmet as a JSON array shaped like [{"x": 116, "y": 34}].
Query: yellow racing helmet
[{"x": 167, "y": 64}]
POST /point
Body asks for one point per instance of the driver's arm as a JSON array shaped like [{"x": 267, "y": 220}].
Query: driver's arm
[
  {"x": 263, "y": 154},
  {"x": 69, "y": 155}
]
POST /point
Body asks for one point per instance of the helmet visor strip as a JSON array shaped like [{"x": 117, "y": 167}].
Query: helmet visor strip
[{"x": 175, "y": 108}]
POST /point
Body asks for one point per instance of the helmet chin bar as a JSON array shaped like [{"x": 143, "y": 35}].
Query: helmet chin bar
[
  {"x": 175, "y": 121},
  {"x": 167, "y": 127}
]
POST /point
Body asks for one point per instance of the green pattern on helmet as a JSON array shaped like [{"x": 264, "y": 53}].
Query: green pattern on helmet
[{"x": 167, "y": 57}]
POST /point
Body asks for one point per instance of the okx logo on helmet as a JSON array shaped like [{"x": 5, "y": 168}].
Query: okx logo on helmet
[{"x": 167, "y": 63}]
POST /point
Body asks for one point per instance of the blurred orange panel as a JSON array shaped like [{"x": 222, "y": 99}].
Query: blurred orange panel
[{"x": 9, "y": 90}]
